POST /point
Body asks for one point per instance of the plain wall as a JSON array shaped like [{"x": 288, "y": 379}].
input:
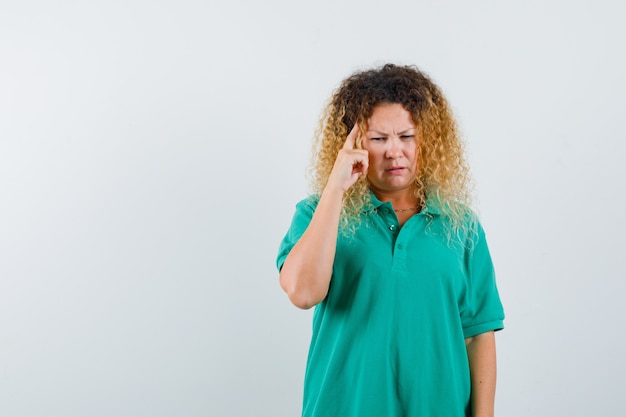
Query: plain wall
[{"x": 152, "y": 153}]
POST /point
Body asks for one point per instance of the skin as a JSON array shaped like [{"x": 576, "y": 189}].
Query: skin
[
  {"x": 392, "y": 148},
  {"x": 388, "y": 156},
  {"x": 481, "y": 352},
  {"x": 305, "y": 275}
]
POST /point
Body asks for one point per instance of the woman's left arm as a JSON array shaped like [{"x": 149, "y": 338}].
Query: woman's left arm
[{"x": 481, "y": 352}]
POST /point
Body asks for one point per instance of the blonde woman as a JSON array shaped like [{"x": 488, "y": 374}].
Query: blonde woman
[{"x": 393, "y": 259}]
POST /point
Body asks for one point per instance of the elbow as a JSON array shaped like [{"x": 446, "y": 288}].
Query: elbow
[
  {"x": 301, "y": 301},
  {"x": 300, "y": 296}
]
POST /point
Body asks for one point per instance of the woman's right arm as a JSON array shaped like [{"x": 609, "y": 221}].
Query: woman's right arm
[{"x": 307, "y": 270}]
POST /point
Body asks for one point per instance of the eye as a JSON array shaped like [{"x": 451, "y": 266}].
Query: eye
[
  {"x": 377, "y": 139},
  {"x": 407, "y": 137}
]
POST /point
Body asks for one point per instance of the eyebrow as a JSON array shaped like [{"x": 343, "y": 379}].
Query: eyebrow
[{"x": 404, "y": 132}]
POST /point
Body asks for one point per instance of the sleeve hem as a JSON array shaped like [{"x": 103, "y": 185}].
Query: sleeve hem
[
  {"x": 280, "y": 261},
  {"x": 477, "y": 329}
]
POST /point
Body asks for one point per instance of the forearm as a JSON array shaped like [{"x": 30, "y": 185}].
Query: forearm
[
  {"x": 306, "y": 273},
  {"x": 481, "y": 352}
]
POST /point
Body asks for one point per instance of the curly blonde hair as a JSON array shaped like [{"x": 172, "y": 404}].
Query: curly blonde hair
[{"x": 443, "y": 178}]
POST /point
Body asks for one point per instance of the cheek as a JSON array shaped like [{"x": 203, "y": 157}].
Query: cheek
[{"x": 373, "y": 156}]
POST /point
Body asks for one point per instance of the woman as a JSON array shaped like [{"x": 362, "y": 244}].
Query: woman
[{"x": 393, "y": 259}]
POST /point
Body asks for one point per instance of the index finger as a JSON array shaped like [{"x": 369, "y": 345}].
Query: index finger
[{"x": 351, "y": 139}]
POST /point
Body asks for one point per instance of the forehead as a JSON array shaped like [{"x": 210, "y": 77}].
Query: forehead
[{"x": 390, "y": 116}]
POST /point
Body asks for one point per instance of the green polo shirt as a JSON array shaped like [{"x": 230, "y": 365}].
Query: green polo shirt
[{"x": 389, "y": 338}]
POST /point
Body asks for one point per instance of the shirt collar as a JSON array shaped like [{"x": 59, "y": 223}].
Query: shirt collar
[{"x": 432, "y": 204}]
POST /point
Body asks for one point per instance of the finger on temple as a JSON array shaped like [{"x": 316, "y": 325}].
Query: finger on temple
[{"x": 351, "y": 139}]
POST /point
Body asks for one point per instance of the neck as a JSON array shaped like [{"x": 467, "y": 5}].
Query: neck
[{"x": 401, "y": 199}]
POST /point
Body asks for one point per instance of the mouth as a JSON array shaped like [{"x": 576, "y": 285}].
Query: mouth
[{"x": 395, "y": 170}]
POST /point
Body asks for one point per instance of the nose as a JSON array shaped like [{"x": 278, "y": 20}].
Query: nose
[{"x": 394, "y": 148}]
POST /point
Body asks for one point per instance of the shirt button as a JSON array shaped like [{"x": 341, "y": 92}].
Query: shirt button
[
  {"x": 400, "y": 246},
  {"x": 392, "y": 227}
]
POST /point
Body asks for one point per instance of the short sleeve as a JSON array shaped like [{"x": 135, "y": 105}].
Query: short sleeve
[
  {"x": 299, "y": 223},
  {"x": 482, "y": 310}
]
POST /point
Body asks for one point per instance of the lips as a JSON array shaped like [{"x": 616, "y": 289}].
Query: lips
[{"x": 395, "y": 170}]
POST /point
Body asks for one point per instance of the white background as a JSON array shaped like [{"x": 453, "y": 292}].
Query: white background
[{"x": 152, "y": 153}]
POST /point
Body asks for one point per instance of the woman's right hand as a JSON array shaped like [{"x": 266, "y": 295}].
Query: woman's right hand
[
  {"x": 350, "y": 164},
  {"x": 307, "y": 271}
]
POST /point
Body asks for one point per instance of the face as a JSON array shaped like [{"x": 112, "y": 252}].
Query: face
[{"x": 391, "y": 142}]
